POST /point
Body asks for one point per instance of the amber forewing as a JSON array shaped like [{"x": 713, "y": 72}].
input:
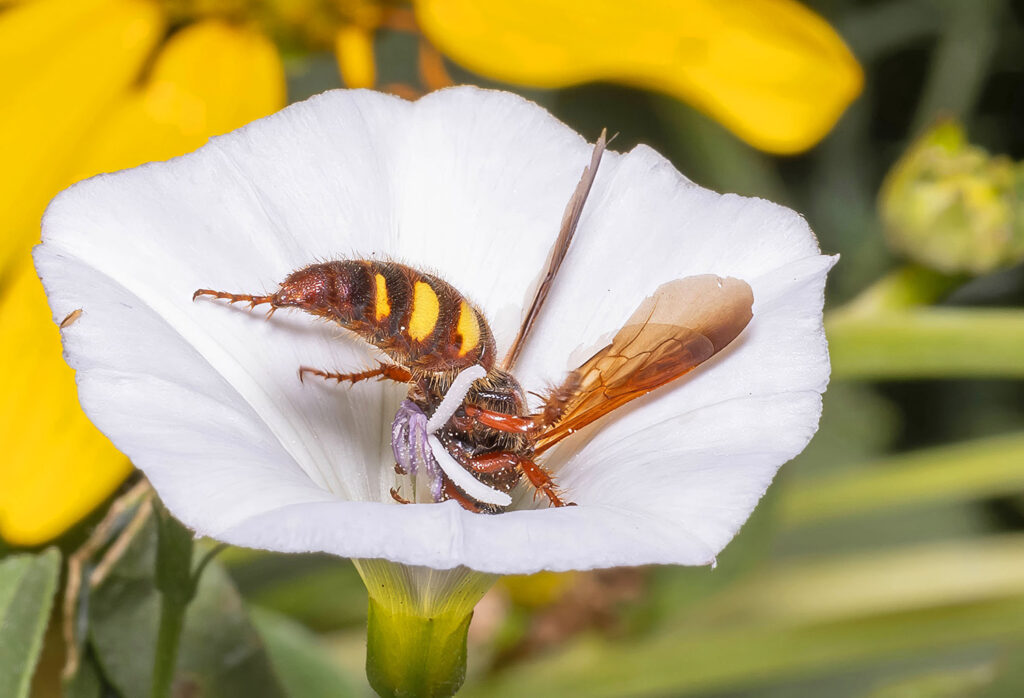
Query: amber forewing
[{"x": 684, "y": 323}]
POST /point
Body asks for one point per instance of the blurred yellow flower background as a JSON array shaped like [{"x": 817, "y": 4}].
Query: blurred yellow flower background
[
  {"x": 93, "y": 86},
  {"x": 96, "y": 89}
]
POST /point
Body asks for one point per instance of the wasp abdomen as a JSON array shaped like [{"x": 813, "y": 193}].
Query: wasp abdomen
[{"x": 417, "y": 319}]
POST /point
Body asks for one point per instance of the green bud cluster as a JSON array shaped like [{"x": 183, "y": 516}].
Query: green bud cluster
[{"x": 952, "y": 206}]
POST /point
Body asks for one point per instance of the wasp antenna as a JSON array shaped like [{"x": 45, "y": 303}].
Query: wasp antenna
[{"x": 570, "y": 219}]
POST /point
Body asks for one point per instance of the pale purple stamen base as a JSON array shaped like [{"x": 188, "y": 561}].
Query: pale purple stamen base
[{"x": 412, "y": 450}]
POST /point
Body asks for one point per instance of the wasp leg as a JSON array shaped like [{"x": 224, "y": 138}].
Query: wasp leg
[
  {"x": 384, "y": 371},
  {"x": 498, "y": 420},
  {"x": 542, "y": 481},
  {"x": 492, "y": 462},
  {"x": 252, "y": 300},
  {"x": 450, "y": 491},
  {"x": 497, "y": 461}
]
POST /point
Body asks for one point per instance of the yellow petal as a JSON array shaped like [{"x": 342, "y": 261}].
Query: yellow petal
[
  {"x": 353, "y": 47},
  {"x": 210, "y": 78},
  {"x": 65, "y": 62},
  {"x": 539, "y": 589},
  {"x": 56, "y": 466},
  {"x": 772, "y": 71}
]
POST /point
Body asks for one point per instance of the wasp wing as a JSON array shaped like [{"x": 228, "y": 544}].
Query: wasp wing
[
  {"x": 570, "y": 219},
  {"x": 685, "y": 322}
]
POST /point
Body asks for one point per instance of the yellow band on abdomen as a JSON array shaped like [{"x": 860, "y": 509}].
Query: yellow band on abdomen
[
  {"x": 423, "y": 315},
  {"x": 382, "y": 303},
  {"x": 468, "y": 329}
]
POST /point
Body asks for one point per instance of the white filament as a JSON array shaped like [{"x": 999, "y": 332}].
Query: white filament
[{"x": 452, "y": 400}]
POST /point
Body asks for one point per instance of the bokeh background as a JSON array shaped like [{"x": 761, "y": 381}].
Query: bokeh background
[{"x": 886, "y": 561}]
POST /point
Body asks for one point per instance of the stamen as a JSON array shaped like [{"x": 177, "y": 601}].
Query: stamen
[
  {"x": 452, "y": 400},
  {"x": 400, "y": 446}
]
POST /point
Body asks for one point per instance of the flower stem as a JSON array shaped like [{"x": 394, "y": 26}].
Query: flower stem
[
  {"x": 177, "y": 585},
  {"x": 417, "y": 626},
  {"x": 172, "y": 621},
  {"x": 891, "y": 331},
  {"x": 927, "y": 343}
]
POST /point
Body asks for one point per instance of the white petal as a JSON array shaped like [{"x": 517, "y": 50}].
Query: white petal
[{"x": 470, "y": 184}]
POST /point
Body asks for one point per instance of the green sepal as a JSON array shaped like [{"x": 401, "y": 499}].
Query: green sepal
[{"x": 417, "y": 625}]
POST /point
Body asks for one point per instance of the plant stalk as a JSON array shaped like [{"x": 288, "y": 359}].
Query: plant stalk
[{"x": 172, "y": 622}]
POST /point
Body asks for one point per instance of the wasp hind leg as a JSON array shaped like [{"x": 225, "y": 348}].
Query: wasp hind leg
[
  {"x": 503, "y": 460},
  {"x": 384, "y": 371}
]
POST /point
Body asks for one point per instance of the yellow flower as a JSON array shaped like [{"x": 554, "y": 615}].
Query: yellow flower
[
  {"x": 99, "y": 86},
  {"x": 772, "y": 71}
]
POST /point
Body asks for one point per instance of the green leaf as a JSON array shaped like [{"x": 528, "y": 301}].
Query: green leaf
[
  {"x": 323, "y": 592},
  {"x": 220, "y": 654},
  {"x": 304, "y": 667},
  {"x": 86, "y": 681},
  {"x": 27, "y": 586},
  {"x": 971, "y": 470},
  {"x": 1009, "y": 679}
]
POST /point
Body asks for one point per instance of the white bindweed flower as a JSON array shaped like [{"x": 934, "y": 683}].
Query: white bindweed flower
[{"x": 469, "y": 185}]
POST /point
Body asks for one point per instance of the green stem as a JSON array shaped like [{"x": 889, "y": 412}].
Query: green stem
[
  {"x": 926, "y": 343},
  {"x": 172, "y": 621},
  {"x": 891, "y": 331},
  {"x": 417, "y": 625},
  {"x": 174, "y": 580}
]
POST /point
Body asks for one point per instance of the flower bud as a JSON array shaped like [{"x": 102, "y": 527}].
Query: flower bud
[{"x": 953, "y": 207}]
